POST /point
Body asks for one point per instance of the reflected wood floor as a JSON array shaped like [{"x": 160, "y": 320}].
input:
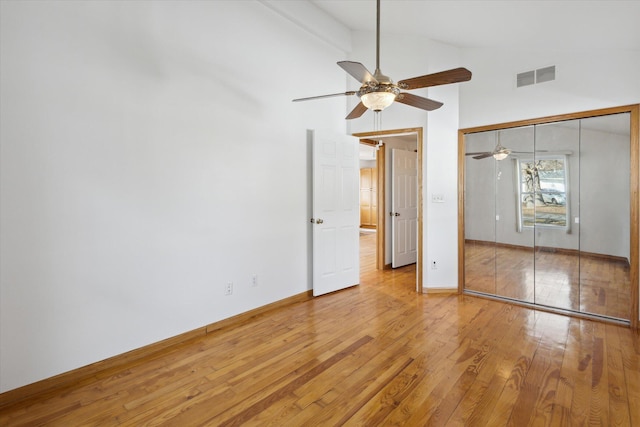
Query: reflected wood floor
[
  {"x": 376, "y": 354},
  {"x": 587, "y": 284}
]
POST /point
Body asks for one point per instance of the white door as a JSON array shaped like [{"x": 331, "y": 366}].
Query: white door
[
  {"x": 336, "y": 214},
  {"x": 404, "y": 207}
]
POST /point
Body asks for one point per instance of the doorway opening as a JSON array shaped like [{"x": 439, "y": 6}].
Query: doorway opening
[{"x": 383, "y": 140}]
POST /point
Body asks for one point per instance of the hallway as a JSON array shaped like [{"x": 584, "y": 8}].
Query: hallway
[{"x": 369, "y": 275}]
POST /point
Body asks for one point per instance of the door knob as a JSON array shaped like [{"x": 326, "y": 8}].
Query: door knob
[
  {"x": 394, "y": 214},
  {"x": 319, "y": 221}
]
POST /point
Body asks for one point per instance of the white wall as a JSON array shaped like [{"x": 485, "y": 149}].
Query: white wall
[
  {"x": 150, "y": 154},
  {"x": 585, "y": 80},
  {"x": 441, "y": 222}
]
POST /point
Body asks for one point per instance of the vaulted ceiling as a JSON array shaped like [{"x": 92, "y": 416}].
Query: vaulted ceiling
[
  {"x": 541, "y": 24},
  {"x": 505, "y": 24}
]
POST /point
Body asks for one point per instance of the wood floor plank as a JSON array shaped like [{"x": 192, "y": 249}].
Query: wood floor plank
[
  {"x": 290, "y": 387},
  {"x": 618, "y": 411},
  {"x": 568, "y": 370},
  {"x": 383, "y": 398},
  {"x": 518, "y": 360},
  {"x": 581, "y": 375},
  {"x": 477, "y": 404},
  {"x": 599, "y": 408},
  {"x": 363, "y": 382},
  {"x": 630, "y": 351}
]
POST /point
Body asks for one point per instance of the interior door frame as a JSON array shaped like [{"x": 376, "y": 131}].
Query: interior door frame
[
  {"x": 382, "y": 208},
  {"x": 634, "y": 197}
]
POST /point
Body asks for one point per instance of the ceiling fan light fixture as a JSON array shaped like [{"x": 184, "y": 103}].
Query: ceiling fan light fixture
[
  {"x": 500, "y": 156},
  {"x": 378, "y": 101},
  {"x": 378, "y": 97}
]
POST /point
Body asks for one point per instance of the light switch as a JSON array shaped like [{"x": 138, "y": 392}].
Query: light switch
[{"x": 437, "y": 198}]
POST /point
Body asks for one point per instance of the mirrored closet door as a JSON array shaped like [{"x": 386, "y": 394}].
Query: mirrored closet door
[{"x": 547, "y": 213}]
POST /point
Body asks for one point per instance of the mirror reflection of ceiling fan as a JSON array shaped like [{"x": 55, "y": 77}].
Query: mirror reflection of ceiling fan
[
  {"x": 498, "y": 153},
  {"x": 378, "y": 91}
]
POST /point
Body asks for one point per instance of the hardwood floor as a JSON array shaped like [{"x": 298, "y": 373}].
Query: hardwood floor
[{"x": 376, "y": 354}]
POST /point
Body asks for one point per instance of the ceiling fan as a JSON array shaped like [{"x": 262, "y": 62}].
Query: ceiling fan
[
  {"x": 498, "y": 153},
  {"x": 378, "y": 91}
]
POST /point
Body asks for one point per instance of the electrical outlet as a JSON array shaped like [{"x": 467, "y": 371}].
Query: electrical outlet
[
  {"x": 228, "y": 289},
  {"x": 254, "y": 280},
  {"x": 434, "y": 266}
]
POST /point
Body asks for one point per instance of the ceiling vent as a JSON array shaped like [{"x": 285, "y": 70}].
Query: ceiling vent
[{"x": 540, "y": 75}]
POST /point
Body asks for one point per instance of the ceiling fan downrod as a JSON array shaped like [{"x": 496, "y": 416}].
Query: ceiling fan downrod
[{"x": 377, "y": 37}]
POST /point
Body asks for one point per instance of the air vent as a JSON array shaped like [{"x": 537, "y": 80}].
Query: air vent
[
  {"x": 527, "y": 78},
  {"x": 540, "y": 75},
  {"x": 546, "y": 74}
]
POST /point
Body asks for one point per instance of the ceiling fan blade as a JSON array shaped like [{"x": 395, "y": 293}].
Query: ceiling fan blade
[
  {"x": 530, "y": 152},
  {"x": 357, "y": 112},
  {"x": 479, "y": 152},
  {"x": 483, "y": 156},
  {"x": 325, "y": 96},
  {"x": 455, "y": 75},
  {"x": 418, "y": 101},
  {"x": 358, "y": 71}
]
